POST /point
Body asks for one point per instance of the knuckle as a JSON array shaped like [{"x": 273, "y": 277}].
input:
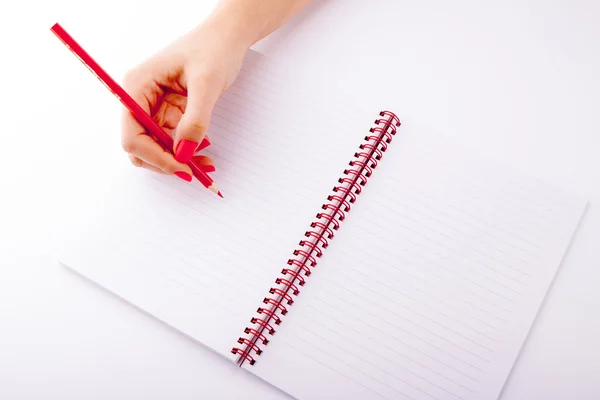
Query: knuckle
[
  {"x": 135, "y": 161},
  {"x": 204, "y": 74},
  {"x": 129, "y": 145},
  {"x": 131, "y": 78},
  {"x": 164, "y": 165},
  {"x": 196, "y": 128},
  {"x": 207, "y": 77}
]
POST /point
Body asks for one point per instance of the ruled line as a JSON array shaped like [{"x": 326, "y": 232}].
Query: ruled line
[
  {"x": 401, "y": 304},
  {"x": 331, "y": 344},
  {"x": 378, "y": 272},
  {"x": 351, "y": 366},
  {"x": 389, "y": 349}
]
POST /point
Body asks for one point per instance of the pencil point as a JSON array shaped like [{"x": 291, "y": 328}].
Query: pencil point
[{"x": 213, "y": 188}]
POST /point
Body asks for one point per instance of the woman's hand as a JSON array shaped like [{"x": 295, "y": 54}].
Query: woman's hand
[{"x": 180, "y": 85}]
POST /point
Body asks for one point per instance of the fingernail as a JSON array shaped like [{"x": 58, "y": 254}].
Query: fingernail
[
  {"x": 203, "y": 144},
  {"x": 208, "y": 168},
  {"x": 184, "y": 175},
  {"x": 185, "y": 150}
]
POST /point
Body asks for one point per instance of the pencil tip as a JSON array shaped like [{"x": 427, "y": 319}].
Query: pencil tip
[{"x": 220, "y": 195}]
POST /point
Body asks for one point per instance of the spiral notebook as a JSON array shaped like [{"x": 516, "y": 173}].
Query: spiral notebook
[{"x": 353, "y": 256}]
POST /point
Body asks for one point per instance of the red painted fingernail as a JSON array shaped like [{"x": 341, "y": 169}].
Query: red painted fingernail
[
  {"x": 185, "y": 151},
  {"x": 184, "y": 175},
  {"x": 203, "y": 144},
  {"x": 209, "y": 168}
]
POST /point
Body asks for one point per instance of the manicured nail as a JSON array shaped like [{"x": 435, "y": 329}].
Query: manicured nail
[
  {"x": 184, "y": 175},
  {"x": 203, "y": 144},
  {"x": 209, "y": 168},
  {"x": 185, "y": 151}
]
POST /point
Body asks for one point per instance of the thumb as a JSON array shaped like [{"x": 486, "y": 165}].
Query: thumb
[{"x": 202, "y": 94}]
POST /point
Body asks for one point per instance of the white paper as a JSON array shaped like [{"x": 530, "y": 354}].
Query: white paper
[
  {"x": 429, "y": 288},
  {"x": 200, "y": 263}
]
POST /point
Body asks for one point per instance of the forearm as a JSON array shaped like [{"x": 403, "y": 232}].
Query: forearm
[{"x": 248, "y": 21}]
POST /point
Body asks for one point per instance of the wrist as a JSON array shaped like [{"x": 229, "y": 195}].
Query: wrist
[{"x": 233, "y": 27}]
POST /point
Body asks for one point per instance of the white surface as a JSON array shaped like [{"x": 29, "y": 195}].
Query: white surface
[
  {"x": 200, "y": 263},
  {"x": 431, "y": 283},
  {"x": 429, "y": 287},
  {"x": 516, "y": 81}
]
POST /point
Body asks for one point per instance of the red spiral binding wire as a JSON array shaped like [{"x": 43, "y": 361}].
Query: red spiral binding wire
[{"x": 318, "y": 237}]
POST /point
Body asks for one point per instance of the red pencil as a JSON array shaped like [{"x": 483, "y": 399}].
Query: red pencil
[{"x": 142, "y": 116}]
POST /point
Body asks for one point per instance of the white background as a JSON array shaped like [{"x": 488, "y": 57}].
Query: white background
[{"x": 517, "y": 80}]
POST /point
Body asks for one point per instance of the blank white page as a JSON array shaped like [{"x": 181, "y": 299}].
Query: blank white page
[
  {"x": 197, "y": 262},
  {"x": 431, "y": 284}
]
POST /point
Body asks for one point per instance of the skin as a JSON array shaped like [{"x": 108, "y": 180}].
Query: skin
[{"x": 180, "y": 85}]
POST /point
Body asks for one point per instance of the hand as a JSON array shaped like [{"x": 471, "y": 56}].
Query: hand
[{"x": 179, "y": 87}]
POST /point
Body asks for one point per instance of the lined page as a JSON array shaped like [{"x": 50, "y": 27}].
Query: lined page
[
  {"x": 200, "y": 263},
  {"x": 431, "y": 284}
]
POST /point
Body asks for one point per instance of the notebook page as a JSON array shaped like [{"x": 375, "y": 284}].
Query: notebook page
[
  {"x": 199, "y": 263},
  {"x": 431, "y": 284}
]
